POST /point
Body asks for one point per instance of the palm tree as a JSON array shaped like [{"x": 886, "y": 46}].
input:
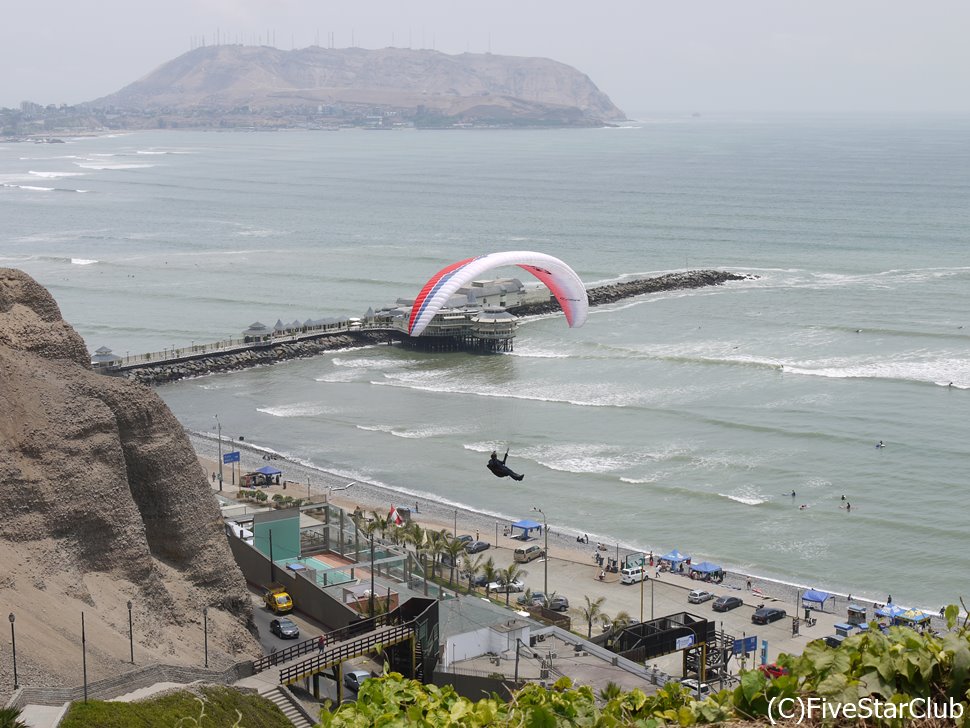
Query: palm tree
[
  {"x": 489, "y": 572},
  {"x": 454, "y": 548},
  {"x": 512, "y": 573},
  {"x": 610, "y": 690},
  {"x": 472, "y": 569},
  {"x": 381, "y": 523},
  {"x": 10, "y": 718},
  {"x": 591, "y": 612},
  {"x": 434, "y": 548}
]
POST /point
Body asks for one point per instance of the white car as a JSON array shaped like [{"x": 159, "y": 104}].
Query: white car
[
  {"x": 702, "y": 690},
  {"x": 501, "y": 587},
  {"x": 353, "y": 679},
  {"x": 698, "y": 596}
]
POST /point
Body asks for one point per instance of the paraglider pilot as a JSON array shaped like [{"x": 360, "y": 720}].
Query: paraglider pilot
[{"x": 500, "y": 469}]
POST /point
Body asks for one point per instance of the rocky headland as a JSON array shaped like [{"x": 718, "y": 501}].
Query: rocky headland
[{"x": 103, "y": 502}]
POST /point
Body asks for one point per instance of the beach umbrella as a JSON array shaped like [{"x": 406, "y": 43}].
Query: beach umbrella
[{"x": 891, "y": 611}]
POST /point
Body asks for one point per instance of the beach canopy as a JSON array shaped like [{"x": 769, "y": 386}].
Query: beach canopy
[
  {"x": 526, "y": 526},
  {"x": 814, "y": 599},
  {"x": 891, "y": 611},
  {"x": 269, "y": 470},
  {"x": 674, "y": 557},
  {"x": 914, "y": 615},
  {"x": 706, "y": 567}
]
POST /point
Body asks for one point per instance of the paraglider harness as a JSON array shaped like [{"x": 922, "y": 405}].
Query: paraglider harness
[{"x": 500, "y": 469}]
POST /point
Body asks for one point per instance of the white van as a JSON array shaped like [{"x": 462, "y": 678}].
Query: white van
[
  {"x": 525, "y": 554},
  {"x": 633, "y": 574}
]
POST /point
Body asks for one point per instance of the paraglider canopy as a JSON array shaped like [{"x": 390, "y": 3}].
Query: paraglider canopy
[{"x": 559, "y": 278}]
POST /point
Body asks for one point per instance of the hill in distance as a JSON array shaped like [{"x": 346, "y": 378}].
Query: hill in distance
[{"x": 413, "y": 85}]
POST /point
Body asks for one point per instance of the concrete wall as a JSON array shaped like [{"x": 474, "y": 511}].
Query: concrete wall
[
  {"x": 474, "y": 687},
  {"x": 141, "y": 677},
  {"x": 307, "y": 597},
  {"x": 466, "y": 646}
]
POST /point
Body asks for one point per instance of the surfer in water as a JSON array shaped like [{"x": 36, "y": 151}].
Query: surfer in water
[{"x": 880, "y": 444}]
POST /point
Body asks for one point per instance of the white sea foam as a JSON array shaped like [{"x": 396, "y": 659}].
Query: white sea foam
[
  {"x": 31, "y": 188},
  {"x": 939, "y": 369},
  {"x": 97, "y": 166},
  {"x": 82, "y": 261},
  {"x": 746, "y": 495},
  {"x": 410, "y": 433},
  {"x": 55, "y": 175},
  {"x": 302, "y": 409},
  {"x": 338, "y": 377}
]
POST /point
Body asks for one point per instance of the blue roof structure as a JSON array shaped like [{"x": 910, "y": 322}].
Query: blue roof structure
[
  {"x": 675, "y": 557},
  {"x": 269, "y": 470}
]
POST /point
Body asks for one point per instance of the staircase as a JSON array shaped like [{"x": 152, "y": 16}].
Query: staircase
[{"x": 286, "y": 703}]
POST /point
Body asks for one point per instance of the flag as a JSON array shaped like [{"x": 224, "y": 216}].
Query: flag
[{"x": 394, "y": 518}]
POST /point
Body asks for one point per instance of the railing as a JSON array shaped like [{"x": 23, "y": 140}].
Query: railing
[
  {"x": 301, "y": 648},
  {"x": 387, "y": 636}
]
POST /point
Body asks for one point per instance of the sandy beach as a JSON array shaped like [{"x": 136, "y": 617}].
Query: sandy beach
[{"x": 571, "y": 570}]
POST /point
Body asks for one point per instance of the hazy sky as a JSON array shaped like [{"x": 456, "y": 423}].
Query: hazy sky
[{"x": 647, "y": 55}]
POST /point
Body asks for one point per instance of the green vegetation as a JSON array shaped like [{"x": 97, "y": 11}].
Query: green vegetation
[
  {"x": 212, "y": 707},
  {"x": 895, "y": 668}
]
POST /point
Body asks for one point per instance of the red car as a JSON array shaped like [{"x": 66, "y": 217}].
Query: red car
[{"x": 773, "y": 670}]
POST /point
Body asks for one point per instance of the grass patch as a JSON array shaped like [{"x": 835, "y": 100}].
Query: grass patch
[{"x": 220, "y": 707}]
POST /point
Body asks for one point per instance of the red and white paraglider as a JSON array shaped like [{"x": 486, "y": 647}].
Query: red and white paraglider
[{"x": 558, "y": 277}]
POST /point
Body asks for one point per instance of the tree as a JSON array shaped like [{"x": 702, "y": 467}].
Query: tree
[
  {"x": 454, "y": 548},
  {"x": 10, "y": 718},
  {"x": 380, "y": 523},
  {"x": 472, "y": 568},
  {"x": 489, "y": 571},
  {"x": 591, "y": 613},
  {"x": 512, "y": 573}
]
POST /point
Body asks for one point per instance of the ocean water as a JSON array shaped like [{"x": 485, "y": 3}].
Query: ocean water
[{"x": 679, "y": 420}]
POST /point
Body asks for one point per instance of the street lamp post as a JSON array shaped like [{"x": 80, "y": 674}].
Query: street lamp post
[
  {"x": 131, "y": 639},
  {"x": 13, "y": 645},
  {"x": 219, "y": 427},
  {"x": 84, "y": 658},
  {"x": 545, "y": 576},
  {"x": 205, "y": 633},
  {"x": 455, "y": 533}
]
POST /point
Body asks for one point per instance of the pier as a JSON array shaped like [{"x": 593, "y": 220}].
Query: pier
[{"x": 481, "y": 329}]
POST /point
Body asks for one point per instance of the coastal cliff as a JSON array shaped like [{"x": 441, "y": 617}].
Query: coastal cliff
[{"x": 103, "y": 501}]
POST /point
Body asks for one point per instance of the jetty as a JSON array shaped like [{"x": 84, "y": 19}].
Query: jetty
[{"x": 482, "y": 319}]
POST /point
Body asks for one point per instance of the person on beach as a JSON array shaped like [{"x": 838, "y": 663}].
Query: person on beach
[{"x": 500, "y": 469}]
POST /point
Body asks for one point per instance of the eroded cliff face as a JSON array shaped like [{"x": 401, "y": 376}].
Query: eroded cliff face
[{"x": 103, "y": 500}]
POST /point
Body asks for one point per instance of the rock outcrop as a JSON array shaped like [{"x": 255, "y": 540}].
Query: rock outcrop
[{"x": 103, "y": 501}]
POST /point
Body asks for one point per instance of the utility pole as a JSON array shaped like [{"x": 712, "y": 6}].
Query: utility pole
[{"x": 545, "y": 530}]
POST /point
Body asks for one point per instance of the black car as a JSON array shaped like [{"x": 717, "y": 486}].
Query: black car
[
  {"x": 767, "y": 614},
  {"x": 284, "y": 628},
  {"x": 480, "y": 580},
  {"x": 473, "y": 547},
  {"x": 723, "y": 604}
]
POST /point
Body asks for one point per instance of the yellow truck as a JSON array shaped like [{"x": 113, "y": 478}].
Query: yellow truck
[{"x": 277, "y": 599}]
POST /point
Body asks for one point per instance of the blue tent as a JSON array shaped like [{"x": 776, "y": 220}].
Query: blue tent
[
  {"x": 814, "y": 599},
  {"x": 674, "y": 557},
  {"x": 526, "y": 527},
  {"x": 891, "y": 611},
  {"x": 269, "y": 470},
  {"x": 706, "y": 567}
]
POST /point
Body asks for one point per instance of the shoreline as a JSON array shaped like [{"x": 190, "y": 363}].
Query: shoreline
[{"x": 379, "y": 497}]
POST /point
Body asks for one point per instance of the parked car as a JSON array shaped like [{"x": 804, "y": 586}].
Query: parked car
[
  {"x": 501, "y": 587},
  {"x": 698, "y": 596},
  {"x": 284, "y": 628},
  {"x": 536, "y": 598},
  {"x": 767, "y": 614},
  {"x": 480, "y": 580},
  {"x": 702, "y": 689},
  {"x": 474, "y": 547},
  {"x": 465, "y": 538},
  {"x": 723, "y": 604},
  {"x": 558, "y": 604},
  {"x": 773, "y": 670},
  {"x": 353, "y": 679}
]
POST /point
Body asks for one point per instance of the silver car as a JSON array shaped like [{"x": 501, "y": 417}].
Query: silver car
[
  {"x": 697, "y": 596},
  {"x": 353, "y": 679}
]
